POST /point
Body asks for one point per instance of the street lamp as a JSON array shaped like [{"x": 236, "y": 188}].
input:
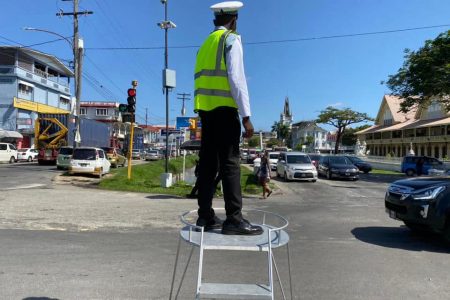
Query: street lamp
[
  {"x": 169, "y": 82},
  {"x": 77, "y": 48}
]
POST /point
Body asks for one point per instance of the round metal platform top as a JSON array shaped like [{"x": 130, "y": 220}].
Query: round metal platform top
[{"x": 213, "y": 239}]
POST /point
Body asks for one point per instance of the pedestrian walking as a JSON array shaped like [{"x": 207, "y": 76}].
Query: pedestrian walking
[
  {"x": 419, "y": 166},
  {"x": 264, "y": 176},
  {"x": 220, "y": 96},
  {"x": 193, "y": 193}
]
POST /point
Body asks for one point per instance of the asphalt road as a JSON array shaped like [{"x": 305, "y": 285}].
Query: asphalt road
[
  {"x": 66, "y": 242},
  {"x": 24, "y": 175}
]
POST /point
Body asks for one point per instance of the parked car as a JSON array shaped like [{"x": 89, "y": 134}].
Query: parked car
[
  {"x": 409, "y": 164},
  {"x": 421, "y": 203},
  {"x": 360, "y": 164},
  {"x": 89, "y": 160},
  {"x": 244, "y": 154},
  {"x": 273, "y": 159},
  {"x": 63, "y": 158},
  {"x": 8, "y": 153},
  {"x": 27, "y": 154},
  {"x": 296, "y": 166},
  {"x": 337, "y": 167},
  {"x": 136, "y": 154},
  {"x": 315, "y": 159},
  {"x": 152, "y": 155},
  {"x": 251, "y": 155},
  {"x": 115, "y": 156}
]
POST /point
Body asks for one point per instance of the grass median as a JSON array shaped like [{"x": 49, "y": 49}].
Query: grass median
[{"x": 145, "y": 178}]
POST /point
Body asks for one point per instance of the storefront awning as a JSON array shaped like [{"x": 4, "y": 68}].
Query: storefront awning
[{"x": 10, "y": 134}]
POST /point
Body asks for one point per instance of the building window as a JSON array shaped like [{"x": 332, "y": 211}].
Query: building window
[
  {"x": 437, "y": 130},
  {"x": 422, "y": 132},
  {"x": 397, "y": 134},
  {"x": 386, "y": 135},
  {"x": 83, "y": 111},
  {"x": 25, "y": 89},
  {"x": 409, "y": 133},
  {"x": 101, "y": 112},
  {"x": 434, "y": 106}
]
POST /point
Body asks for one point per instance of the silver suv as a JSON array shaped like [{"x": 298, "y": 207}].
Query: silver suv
[{"x": 296, "y": 166}]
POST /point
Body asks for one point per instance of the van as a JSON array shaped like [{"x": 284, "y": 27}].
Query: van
[
  {"x": 409, "y": 164},
  {"x": 8, "y": 153}
]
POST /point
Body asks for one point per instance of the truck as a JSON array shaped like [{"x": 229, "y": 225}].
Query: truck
[{"x": 52, "y": 131}]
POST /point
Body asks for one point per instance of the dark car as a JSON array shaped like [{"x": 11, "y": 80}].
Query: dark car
[
  {"x": 421, "y": 203},
  {"x": 360, "y": 164},
  {"x": 410, "y": 164},
  {"x": 315, "y": 159},
  {"x": 337, "y": 167}
]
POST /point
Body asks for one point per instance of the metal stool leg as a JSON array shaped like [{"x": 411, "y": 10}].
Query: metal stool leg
[
  {"x": 278, "y": 276},
  {"x": 289, "y": 268},
  {"x": 200, "y": 265},
  {"x": 175, "y": 268},
  {"x": 184, "y": 272}
]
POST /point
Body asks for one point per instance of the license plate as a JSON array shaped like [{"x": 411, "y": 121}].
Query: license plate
[
  {"x": 392, "y": 214},
  {"x": 84, "y": 165},
  {"x": 347, "y": 174},
  {"x": 302, "y": 175}
]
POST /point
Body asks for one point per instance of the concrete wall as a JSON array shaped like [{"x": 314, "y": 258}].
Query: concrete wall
[{"x": 8, "y": 114}]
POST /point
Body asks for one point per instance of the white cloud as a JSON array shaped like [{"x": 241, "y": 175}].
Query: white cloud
[{"x": 335, "y": 104}]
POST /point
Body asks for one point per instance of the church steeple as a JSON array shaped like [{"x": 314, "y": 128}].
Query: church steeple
[{"x": 286, "y": 116}]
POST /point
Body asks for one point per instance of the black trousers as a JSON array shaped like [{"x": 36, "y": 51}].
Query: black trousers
[{"x": 219, "y": 152}]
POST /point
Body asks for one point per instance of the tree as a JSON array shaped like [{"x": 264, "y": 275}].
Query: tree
[
  {"x": 253, "y": 141},
  {"x": 349, "y": 137},
  {"x": 340, "y": 119},
  {"x": 425, "y": 73},
  {"x": 272, "y": 142},
  {"x": 282, "y": 130}
]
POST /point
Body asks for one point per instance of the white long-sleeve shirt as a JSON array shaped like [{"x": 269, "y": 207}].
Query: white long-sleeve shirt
[{"x": 234, "y": 59}]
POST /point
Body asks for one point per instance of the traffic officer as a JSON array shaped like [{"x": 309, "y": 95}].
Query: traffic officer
[{"x": 221, "y": 95}]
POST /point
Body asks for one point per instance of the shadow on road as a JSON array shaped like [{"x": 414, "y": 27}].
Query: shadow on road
[
  {"x": 39, "y": 298},
  {"x": 401, "y": 238},
  {"x": 164, "y": 197},
  {"x": 380, "y": 178}
]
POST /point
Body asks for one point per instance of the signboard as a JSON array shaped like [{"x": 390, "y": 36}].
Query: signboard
[
  {"x": 171, "y": 131},
  {"x": 183, "y": 122}
]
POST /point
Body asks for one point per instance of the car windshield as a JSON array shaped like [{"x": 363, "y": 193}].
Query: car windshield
[
  {"x": 339, "y": 160},
  {"x": 84, "y": 154},
  {"x": 298, "y": 159},
  {"x": 274, "y": 156},
  {"x": 153, "y": 152},
  {"x": 355, "y": 159},
  {"x": 108, "y": 150},
  {"x": 66, "y": 151}
]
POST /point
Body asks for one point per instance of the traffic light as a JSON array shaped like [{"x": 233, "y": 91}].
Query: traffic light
[
  {"x": 123, "y": 107},
  {"x": 131, "y": 100}
]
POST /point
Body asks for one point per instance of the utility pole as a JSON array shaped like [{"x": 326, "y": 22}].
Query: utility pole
[
  {"x": 169, "y": 82},
  {"x": 183, "y": 97},
  {"x": 78, "y": 47},
  {"x": 146, "y": 117}
]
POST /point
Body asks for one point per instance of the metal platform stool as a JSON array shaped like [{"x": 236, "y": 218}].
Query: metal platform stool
[{"x": 274, "y": 236}]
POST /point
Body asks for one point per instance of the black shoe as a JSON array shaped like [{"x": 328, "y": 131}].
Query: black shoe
[
  {"x": 241, "y": 228},
  {"x": 214, "y": 223}
]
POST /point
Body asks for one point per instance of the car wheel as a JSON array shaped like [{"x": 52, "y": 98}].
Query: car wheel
[
  {"x": 30, "y": 159},
  {"x": 286, "y": 177},
  {"x": 314, "y": 180},
  {"x": 12, "y": 160},
  {"x": 446, "y": 232},
  {"x": 416, "y": 228},
  {"x": 410, "y": 172},
  {"x": 366, "y": 171},
  {"x": 329, "y": 176},
  {"x": 101, "y": 173}
]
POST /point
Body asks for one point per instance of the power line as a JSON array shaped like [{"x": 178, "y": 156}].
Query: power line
[{"x": 283, "y": 41}]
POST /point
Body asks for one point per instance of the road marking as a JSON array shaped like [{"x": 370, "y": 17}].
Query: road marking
[{"x": 22, "y": 187}]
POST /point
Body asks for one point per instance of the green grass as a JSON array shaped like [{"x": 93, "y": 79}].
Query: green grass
[
  {"x": 145, "y": 178},
  {"x": 385, "y": 172}
]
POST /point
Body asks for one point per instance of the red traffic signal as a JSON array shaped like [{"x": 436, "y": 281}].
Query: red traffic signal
[{"x": 131, "y": 92}]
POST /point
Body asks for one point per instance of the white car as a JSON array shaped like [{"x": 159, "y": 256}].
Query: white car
[
  {"x": 296, "y": 166},
  {"x": 8, "y": 153},
  {"x": 89, "y": 160},
  {"x": 27, "y": 154},
  {"x": 63, "y": 158},
  {"x": 273, "y": 160}
]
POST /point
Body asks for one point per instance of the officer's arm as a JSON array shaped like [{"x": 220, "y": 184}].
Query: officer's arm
[{"x": 236, "y": 76}]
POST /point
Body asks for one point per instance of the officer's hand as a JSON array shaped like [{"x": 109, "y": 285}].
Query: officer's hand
[{"x": 248, "y": 126}]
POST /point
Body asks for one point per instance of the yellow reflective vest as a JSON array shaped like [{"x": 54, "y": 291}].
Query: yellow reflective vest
[{"x": 212, "y": 89}]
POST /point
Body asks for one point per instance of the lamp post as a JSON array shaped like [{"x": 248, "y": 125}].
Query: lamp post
[
  {"x": 168, "y": 83},
  {"x": 77, "y": 46}
]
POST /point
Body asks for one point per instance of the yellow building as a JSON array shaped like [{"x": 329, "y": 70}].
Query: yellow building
[{"x": 425, "y": 129}]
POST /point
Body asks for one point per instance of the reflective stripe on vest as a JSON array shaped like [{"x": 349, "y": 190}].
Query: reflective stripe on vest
[{"x": 212, "y": 89}]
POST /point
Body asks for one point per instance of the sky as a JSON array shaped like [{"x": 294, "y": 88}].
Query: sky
[{"x": 282, "y": 55}]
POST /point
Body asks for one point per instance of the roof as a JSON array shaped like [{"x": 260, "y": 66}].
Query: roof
[
  {"x": 393, "y": 103},
  {"x": 307, "y": 124},
  {"x": 52, "y": 61}
]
